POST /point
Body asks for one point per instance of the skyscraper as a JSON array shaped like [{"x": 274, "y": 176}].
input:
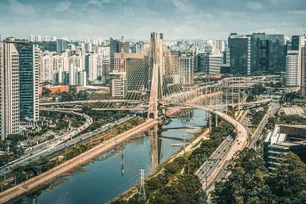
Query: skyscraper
[
  {"x": 298, "y": 41},
  {"x": 28, "y": 80},
  {"x": 240, "y": 53},
  {"x": 292, "y": 70},
  {"x": 303, "y": 72},
  {"x": 114, "y": 48},
  {"x": 186, "y": 69},
  {"x": 268, "y": 53},
  {"x": 61, "y": 45},
  {"x": 9, "y": 88},
  {"x": 91, "y": 62}
]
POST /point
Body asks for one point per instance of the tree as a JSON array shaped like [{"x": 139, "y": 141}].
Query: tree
[
  {"x": 82, "y": 95},
  {"x": 46, "y": 91},
  {"x": 66, "y": 97},
  {"x": 289, "y": 179}
]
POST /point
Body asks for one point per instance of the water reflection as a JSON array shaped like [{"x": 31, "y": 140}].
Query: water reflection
[{"x": 118, "y": 170}]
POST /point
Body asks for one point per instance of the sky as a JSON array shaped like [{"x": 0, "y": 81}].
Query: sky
[{"x": 136, "y": 19}]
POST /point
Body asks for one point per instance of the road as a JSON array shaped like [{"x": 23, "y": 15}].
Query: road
[
  {"x": 59, "y": 144},
  {"x": 46, "y": 148},
  {"x": 272, "y": 110},
  {"x": 227, "y": 149},
  {"x": 88, "y": 101},
  {"x": 79, "y": 160}
]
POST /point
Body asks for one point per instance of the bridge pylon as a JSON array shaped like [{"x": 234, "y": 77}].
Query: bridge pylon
[{"x": 157, "y": 74}]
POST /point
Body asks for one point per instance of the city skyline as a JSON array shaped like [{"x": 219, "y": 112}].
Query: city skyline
[{"x": 134, "y": 19}]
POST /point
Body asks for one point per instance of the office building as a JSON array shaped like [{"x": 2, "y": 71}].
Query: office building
[
  {"x": 283, "y": 139},
  {"x": 293, "y": 74},
  {"x": 268, "y": 53},
  {"x": 119, "y": 85},
  {"x": 186, "y": 69},
  {"x": 29, "y": 62},
  {"x": 138, "y": 47},
  {"x": 201, "y": 62},
  {"x": 215, "y": 62},
  {"x": 298, "y": 41},
  {"x": 303, "y": 72},
  {"x": 61, "y": 45},
  {"x": 115, "y": 47},
  {"x": 9, "y": 89},
  {"x": 240, "y": 54}
]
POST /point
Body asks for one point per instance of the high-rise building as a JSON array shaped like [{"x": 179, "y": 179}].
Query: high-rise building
[
  {"x": 9, "y": 89},
  {"x": 215, "y": 62},
  {"x": 91, "y": 66},
  {"x": 303, "y": 72},
  {"x": 29, "y": 56},
  {"x": 53, "y": 38},
  {"x": 119, "y": 85},
  {"x": 61, "y": 45},
  {"x": 268, "y": 53},
  {"x": 201, "y": 62},
  {"x": 39, "y": 38},
  {"x": 46, "y": 38},
  {"x": 138, "y": 47},
  {"x": 220, "y": 45},
  {"x": 298, "y": 41},
  {"x": 240, "y": 53},
  {"x": 46, "y": 67},
  {"x": 31, "y": 38},
  {"x": 292, "y": 69},
  {"x": 115, "y": 47},
  {"x": 186, "y": 69}
]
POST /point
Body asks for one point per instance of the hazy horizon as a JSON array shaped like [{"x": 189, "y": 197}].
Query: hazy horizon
[{"x": 136, "y": 19}]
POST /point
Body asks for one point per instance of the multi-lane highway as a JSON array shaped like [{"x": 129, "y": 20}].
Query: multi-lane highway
[
  {"x": 225, "y": 152},
  {"x": 59, "y": 144},
  {"x": 272, "y": 110},
  {"x": 81, "y": 159}
]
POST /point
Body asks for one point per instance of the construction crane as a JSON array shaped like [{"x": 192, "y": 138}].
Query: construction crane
[{"x": 122, "y": 66}]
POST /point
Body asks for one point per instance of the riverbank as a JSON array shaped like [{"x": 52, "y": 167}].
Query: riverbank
[
  {"x": 203, "y": 135},
  {"x": 84, "y": 158}
]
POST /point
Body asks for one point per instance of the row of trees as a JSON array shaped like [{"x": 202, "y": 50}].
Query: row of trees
[
  {"x": 250, "y": 181},
  {"x": 177, "y": 183}
]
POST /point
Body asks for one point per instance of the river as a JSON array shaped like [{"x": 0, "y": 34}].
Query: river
[{"x": 103, "y": 179}]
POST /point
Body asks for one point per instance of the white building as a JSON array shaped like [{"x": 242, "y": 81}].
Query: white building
[
  {"x": 31, "y": 38},
  {"x": 47, "y": 38},
  {"x": 220, "y": 45},
  {"x": 46, "y": 67},
  {"x": 39, "y": 38},
  {"x": 292, "y": 68},
  {"x": 53, "y": 38},
  {"x": 9, "y": 89},
  {"x": 119, "y": 85},
  {"x": 186, "y": 69},
  {"x": 215, "y": 61},
  {"x": 93, "y": 66}
]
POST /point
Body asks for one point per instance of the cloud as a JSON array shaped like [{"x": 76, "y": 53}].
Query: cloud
[
  {"x": 96, "y": 2},
  {"x": 16, "y": 8},
  {"x": 255, "y": 5},
  {"x": 62, "y": 6}
]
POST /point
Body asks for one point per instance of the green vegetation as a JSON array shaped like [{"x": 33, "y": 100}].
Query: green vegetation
[
  {"x": 44, "y": 164},
  {"x": 258, "y": 89},
  {"x": 177, "y": 182},
  {"x": 250, "y": 181}
]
